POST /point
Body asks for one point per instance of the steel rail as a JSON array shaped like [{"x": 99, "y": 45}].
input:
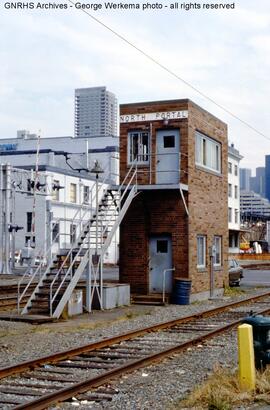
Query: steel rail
[
  {"x": 20, "y": 367},
  {"x": 97, "y": 381}
]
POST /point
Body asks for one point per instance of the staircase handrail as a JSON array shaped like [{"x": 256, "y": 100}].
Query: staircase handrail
[
  {"x": 69, "y": 270},
  {"x": 120, "y": 189},
  {"x": 32, "y": 277},
  {"x": 19, "y": 298}
]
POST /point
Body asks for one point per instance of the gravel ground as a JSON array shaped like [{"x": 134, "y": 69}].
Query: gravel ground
[{"x": 155, "y": 387}]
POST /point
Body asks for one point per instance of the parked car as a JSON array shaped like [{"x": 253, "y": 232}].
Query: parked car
[{"x": 235, "y": 272}]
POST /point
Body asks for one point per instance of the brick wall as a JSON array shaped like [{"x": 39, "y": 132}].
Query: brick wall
[
  {"x": 208, "y": 199},
  {"x": 152, "y": 213},
  {"x": 144, "y": 174}
]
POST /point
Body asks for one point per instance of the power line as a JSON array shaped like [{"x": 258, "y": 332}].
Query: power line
[{"x": 172, "y": 73}]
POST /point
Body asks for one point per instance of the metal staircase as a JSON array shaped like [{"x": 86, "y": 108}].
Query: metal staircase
[{"x": 95, "y": 232}]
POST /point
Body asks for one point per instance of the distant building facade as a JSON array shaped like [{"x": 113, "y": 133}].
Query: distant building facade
[
  {"x": 257, "y": 183},
  {"x": 95, "y": 112},
  {"x": 234, "y": 159},
  {"x": 64, "y": 162},
  {"x": 267, "y": 177},
  {"x": 245, "y": 175},
  {"x": 253, "y": 205}
]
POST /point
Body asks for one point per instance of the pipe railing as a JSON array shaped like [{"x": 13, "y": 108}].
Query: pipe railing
[
  {"x": 121, "y": 192},
  {"x": 38, "y": 269},
  {"x": 36, "y": 273},
  {"x": 164, "y": 281}
]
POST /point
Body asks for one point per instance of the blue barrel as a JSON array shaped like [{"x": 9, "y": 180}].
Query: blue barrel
[{"x": 181, "y": 294}]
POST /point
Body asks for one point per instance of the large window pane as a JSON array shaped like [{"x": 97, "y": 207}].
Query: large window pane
[
  {"x": 208, "y": 152},
  {"x": 138, "y": 147},
  {"x": 201, "y": 251},
  {"x": 217, "y": 256}
]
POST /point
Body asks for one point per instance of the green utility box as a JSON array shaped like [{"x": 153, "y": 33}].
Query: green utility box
[{"x": 261, "y": 339}]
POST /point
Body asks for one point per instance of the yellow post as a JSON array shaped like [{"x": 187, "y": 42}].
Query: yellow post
[{"x": 247, "y": 378}]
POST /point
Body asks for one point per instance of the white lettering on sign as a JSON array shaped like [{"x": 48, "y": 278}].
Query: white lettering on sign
[{"x": 154, "y": 116}]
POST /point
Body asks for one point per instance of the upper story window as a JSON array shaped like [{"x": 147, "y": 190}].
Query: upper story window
[
  {"x": 208, "y": 153},
  {"x": 236, "y": 170},
  {"x": 230, "y": 167},
  {"x": 86, "y": 193},
  {"x": 230, "y": 214},
  {"x": 138, "y": 147},
  {"x": 235, "y": 191},
  {"x": 73, "y": 193},
  {"x": 55, "y": 190},
  {"x": 230, "y": 190}
]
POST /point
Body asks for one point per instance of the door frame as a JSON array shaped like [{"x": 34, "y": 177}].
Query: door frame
[
  {"x": 167, "y": 132},
  {"x": 159, "y": 236}
]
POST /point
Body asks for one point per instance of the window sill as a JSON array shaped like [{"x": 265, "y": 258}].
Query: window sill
[
  {"x": 218, "y": 268},
  {"x": 201, "y": 270},
  {"x": 210, "y": 171},
  {"x": 141, "y": 165}
]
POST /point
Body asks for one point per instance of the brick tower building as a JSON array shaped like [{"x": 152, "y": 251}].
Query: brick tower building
[{"x": 179, "y": 219}]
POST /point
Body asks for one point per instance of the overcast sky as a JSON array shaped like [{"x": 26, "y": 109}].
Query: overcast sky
[{"x": 45, "y": 55}]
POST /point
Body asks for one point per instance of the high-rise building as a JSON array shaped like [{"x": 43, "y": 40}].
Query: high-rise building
[
  {"x": 257, "y": 183},
  {"x": 245, "y": 174},
  {"x": 267, "y": 177},
  {"x": 95, "y": 112}
]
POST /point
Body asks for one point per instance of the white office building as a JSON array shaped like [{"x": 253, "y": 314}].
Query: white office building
[
  {"x": 63, "y": 162},
  {"x": 254, "y": 206},
  {"x": 95, "y": 112},
  {"x": 234, "y": 159}
]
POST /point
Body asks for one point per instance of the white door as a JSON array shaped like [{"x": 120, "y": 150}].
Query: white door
[
  {"x": 167, "y": 158},
  {"x": 160, "y": 250}
]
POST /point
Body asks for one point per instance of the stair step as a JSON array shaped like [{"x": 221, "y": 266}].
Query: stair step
[
  {"x": 42, "y": 312},
  {"x": 148, "y": 303},
  {"x": 149, "y": 299}
]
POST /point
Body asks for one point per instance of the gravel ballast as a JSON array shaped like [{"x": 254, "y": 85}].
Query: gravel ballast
[{"x": 155, "y": 387}]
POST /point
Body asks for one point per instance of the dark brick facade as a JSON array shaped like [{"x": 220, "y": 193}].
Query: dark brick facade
[{"x": 163, "y": 212}]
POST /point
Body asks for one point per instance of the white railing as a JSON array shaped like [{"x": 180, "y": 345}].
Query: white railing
[
  {"x": 121, "y": 192},
  {"x": 38, "y": 269},
  {"x": 164, "y": 281}
]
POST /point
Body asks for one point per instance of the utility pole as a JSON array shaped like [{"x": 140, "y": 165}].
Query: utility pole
[
  {"x": 33, "y": 225},
  {"x": 7, "y": 188},
  {"x": 2, "y": 204}
]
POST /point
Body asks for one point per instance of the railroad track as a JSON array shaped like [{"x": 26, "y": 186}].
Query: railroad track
[
  {"x": 9, "y": 303},
  {"x": 85, "y": 371}
]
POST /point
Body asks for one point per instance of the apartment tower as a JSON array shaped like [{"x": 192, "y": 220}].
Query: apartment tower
[{"x": 95, "y": 112}]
